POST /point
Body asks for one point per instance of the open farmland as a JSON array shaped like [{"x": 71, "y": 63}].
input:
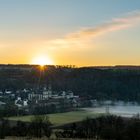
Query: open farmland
[{"x": 60, "y": 118}]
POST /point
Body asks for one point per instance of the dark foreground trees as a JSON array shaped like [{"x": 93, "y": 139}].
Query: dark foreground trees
[
  {"x": 104, "y": 127},
  {"x": 20, "y": 130},
  {"x": 39, "y": 126},
  {"x": 4, "y": 128}
]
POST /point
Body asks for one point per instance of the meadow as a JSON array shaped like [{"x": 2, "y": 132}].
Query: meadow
[{"x": 61, "y": 118}]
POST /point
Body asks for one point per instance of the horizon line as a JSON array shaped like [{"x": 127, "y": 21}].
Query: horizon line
[{"x": 117, "y": 65}]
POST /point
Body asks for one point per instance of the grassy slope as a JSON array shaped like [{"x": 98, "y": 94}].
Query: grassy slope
[{"x": 61, "y": 118}]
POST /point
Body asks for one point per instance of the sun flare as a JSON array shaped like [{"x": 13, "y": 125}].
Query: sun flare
[{"x": 42, "y": 60}]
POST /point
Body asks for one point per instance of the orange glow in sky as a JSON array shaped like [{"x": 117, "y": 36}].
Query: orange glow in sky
[{"x": 74, "y": 32}]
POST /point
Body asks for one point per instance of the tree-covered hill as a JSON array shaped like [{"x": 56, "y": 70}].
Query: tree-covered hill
[{"x": 115, "y": 83}]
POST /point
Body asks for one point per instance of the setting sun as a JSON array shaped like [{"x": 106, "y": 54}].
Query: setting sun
[{"x": 42, "y": 60}]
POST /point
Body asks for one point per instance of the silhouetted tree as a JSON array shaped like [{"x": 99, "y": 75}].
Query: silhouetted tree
[
  {"x": 4, "y": 128},
  {"x": 40, "y": 125}
]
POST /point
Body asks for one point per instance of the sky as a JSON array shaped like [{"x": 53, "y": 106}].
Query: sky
[{"x": 70, "y": 32}]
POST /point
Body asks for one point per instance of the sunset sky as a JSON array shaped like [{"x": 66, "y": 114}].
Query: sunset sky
[{"x": 70, "y": 32}]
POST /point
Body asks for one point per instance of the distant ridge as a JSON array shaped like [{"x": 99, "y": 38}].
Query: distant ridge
[
  {"x": 30, "y": 66},
  {"x": 127, "y": 67}
]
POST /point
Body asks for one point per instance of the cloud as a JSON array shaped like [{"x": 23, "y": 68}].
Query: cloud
[
  {"x": 83, "y": 36},
  {"x": 131, "y": 19}
]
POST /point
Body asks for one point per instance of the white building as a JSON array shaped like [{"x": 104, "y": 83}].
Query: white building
[
  {"x": 33, "y": 96},
  {"x": 8, "y": 92},
  {"x": 18, "y": 102},
  {"x": 25, "y": 103},
  {"x": 69, "y": 95},
  {"x": 45, "y": 95},
  {"x": 21, "y": 103},
  {"x": 2, "y": 103}
]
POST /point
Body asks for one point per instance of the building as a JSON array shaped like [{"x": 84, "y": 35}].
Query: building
[
  {"x": 44, "y": 95},
  {"x": 21, "y": 103}
]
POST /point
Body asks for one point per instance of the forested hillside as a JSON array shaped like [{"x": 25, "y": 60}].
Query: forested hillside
[{"x": 98, "y": 83}]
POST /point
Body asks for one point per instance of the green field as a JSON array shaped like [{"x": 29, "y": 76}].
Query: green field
[{"x": 61, "y": 118}]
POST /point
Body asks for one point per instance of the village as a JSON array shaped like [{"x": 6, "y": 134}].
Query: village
[{"x": 29, "y": 99}]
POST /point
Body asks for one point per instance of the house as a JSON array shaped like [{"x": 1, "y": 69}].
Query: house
[
  {"x": 69, "y": 95},
  {"x": 18, "y": 102},
  {"x": 2, "y": 103},
  {"x": 21, "y": 103},
  {"x": 8, "y": 91},
  {"x": 1, "y": 92},
  {"x": 25, "y": 102}
]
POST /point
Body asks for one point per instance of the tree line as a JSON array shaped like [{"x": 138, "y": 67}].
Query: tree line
[
  {"x": 39, "y": 126},
  {"x": 101, "y": 84},
  {"x": 102, "y": 128},
  {"x": 33, "y": 109}
]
